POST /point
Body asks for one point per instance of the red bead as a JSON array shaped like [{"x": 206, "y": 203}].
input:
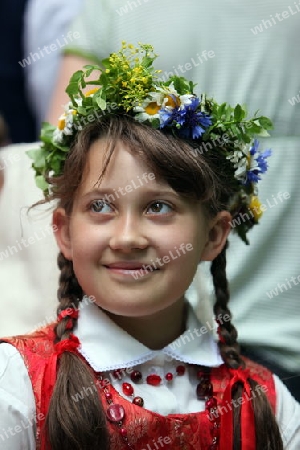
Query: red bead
[
  {"x": 211, "y": 403},
  {"x": 115, "y": 413},
  {"x": 138, "y": 401},
  {"x": 103, "y": 383},
  {"x": 136, "y": 376},
  {"x": 180, "y": 370},
  {"x": 203, "y": 390},
  {"x": 117, "y": 374},
  {"x": 127, "y": 389},
  {"x": 108, "y": 396},
  {"x": 169, "y": 376},
  {"x": 123, "y": 432},
  {"x": 154, "y": 380}
]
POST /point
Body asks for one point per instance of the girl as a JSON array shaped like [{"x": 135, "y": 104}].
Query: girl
[{"x": 147, "y": 177}]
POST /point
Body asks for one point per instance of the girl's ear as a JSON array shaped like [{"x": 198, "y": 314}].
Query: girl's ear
[
  {"x": 61, "y": 227},
  {"x": 218, "y": 231}
]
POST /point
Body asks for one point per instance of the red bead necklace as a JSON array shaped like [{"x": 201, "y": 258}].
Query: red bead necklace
[
  {"x": 115, "y": 413},
  {"x": 152, "y": 379}
]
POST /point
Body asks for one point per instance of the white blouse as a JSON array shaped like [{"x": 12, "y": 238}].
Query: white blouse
[{"x": 107, "y": 347}]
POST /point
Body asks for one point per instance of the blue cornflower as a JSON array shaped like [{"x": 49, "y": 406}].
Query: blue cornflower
[
  {"x": 257, "y": 163},
  {"x": 191, "y": 123}
]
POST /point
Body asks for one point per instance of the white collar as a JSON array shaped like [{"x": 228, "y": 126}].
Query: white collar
[{"x": 106, "y": 346}]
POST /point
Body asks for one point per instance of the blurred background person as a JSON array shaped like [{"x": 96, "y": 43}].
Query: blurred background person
[
  {"x": 46, "y": 34},
  {"x": 14, "y": 104},
  {"x": 28, "y": 276},
  {"x": 32, "y": 36}
]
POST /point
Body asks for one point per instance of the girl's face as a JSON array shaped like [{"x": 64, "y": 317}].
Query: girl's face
[{"x": 134, "y": 242}]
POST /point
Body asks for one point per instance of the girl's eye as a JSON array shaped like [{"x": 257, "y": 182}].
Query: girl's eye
[
  {"x": 100, "y": 206},
  {"x": 160, "y": 208}
]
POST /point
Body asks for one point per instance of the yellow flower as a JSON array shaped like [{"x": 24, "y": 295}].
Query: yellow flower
[
  {"x": 152, "y": 108},
  {"x": 61, "y": 122},
  {"x": 91, "y": 92},
  {"x": 255, "y": 207},
  {"x": 173, "y": 102}
]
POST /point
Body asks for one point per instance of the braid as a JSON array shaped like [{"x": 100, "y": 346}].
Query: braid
[
  {"x": 267, "y": 436},
  {"x": 228, "y": 345},
  {"x": 72, "y": 424},
  {"x": 69, "y": 295}
]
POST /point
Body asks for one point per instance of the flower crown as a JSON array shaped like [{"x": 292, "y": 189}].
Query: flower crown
[{"x": 129, "y": 84}]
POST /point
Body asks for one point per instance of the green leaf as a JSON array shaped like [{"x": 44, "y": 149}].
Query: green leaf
[
  {"x": 221, "y": 110},
  {"x": 238, "y": 113},
  {"x": 101, "y": 103},
  {"x": 76, "y": 76},
  {"x": 146, "y": 61},
  {"x": 265, "y": 122},
  {"x": 106, "y": 63},
  {"x": 155, "y": 123},
  {"x": 47, "y": 132},
  {"x": 72, "y": 88},
  {"x": 263, "y": 133},
  {"x": 38, "y": 156},
  {"x": 82, "y": 110},
  {"x": 41, "y": 182}
]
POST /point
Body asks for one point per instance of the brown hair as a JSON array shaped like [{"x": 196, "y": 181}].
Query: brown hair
[{"x": 198, "y": 176}]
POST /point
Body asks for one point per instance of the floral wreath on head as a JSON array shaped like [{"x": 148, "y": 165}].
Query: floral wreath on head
[{"x": 129, "y": 84}]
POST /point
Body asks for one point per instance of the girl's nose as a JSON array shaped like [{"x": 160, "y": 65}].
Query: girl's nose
[{"x": 128, "y": 234}]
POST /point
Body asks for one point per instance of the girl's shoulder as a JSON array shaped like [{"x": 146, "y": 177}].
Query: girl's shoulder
[{"x": 39, "y": 343}]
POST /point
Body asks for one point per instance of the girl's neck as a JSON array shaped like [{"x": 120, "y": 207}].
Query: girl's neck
[{"x": 158, "y": 330}]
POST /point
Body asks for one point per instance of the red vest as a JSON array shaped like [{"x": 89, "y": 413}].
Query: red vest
[{"x": 146, "y": 430}]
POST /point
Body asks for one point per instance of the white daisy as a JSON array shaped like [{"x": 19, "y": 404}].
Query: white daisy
[
  {"x": 65, "y": 125},
  {"x": 239, "y": 159}
]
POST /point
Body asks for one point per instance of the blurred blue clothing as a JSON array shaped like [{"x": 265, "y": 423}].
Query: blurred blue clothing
[{"x": 14, "y": 105}]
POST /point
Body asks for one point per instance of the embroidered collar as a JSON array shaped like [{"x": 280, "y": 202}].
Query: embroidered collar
[{"x": 106, "y": 346}]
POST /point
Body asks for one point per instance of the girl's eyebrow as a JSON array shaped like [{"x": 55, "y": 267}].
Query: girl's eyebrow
[{"x": 121, "y": 190}]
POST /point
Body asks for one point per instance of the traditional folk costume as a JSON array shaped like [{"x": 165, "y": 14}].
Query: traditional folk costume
[{"x": 178, "y": 410}]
